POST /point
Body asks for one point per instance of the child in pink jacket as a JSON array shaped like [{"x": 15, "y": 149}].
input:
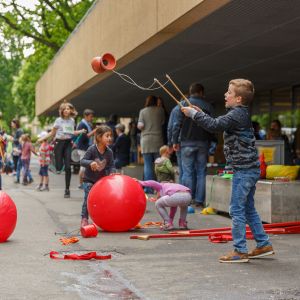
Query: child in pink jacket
[{"x": 170, "y": 195}]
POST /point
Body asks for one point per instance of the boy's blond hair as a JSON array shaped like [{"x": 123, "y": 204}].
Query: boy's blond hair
[
  {"x": 163, "y": 149},
  {"x": 243, "y": 88}
]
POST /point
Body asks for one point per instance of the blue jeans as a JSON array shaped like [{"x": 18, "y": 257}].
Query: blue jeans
[
  {"x": 149, "y": 174},
  {"x": 242, "y": 210},
  {"x": 86, "y": 187},
  {"x": 195, "y": 158},
  {"x": 179, "y": 163}
]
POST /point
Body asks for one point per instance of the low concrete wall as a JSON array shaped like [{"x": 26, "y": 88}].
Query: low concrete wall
[{"x": 274, "y": 201}]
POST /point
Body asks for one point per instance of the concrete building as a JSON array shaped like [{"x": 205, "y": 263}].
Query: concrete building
[{"x": 210, "y": 41}]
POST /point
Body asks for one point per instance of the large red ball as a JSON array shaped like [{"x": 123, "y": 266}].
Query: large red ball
[
  {"x": 8, "y": 216},
  {"x": 116, "y": 203}
]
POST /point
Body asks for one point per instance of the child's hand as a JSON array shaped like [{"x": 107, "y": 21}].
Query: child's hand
[
  {"x": 94, "y": 166},
  {"x": 189, "y": 111}
]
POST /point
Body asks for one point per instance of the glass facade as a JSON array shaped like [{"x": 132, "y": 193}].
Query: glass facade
[{"x": 284, "y": 105}]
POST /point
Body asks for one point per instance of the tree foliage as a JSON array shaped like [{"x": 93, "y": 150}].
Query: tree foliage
[
  {"x": 43, "y": 29},
  {"x": 48, "y": 23}
]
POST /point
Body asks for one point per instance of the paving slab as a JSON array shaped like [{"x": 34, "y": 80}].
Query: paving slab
[{"x": 155, "y": 269}]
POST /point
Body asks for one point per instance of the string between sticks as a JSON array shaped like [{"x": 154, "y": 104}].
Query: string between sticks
[{"x": 129, "y": 80}]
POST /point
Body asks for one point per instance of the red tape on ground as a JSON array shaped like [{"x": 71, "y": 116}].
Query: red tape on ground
[{"x": 86, "y": 256}]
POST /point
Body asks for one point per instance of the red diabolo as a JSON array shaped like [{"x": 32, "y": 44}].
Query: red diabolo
[
  {"x": 106, "y": 62},
  {"x": 116, "y": 203},
  {"x": 8, "y": 216}
]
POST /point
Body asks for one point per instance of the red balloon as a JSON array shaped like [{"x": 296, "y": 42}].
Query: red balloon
[
  {"x": 116, "y": 203},
  {"x": 8, "y": 216}
]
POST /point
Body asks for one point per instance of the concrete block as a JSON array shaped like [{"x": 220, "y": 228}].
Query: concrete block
[{"x": 275, "y": 201}]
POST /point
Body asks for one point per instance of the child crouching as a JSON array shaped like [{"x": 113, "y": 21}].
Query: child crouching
[{"x": 170, "y": 195}]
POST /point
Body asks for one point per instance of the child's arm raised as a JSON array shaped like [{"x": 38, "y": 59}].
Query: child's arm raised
[{"x": 221, "y": 123}]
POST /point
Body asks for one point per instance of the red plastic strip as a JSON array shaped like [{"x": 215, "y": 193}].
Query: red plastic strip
[{"x": 86, "y": 256}]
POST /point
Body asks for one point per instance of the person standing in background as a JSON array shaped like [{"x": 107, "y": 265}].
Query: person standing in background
[
  {"x": 85, "y": 140},
  {"x": 151, "y": 120}
]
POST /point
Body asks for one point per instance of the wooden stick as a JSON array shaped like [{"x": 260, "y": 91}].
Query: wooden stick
[
  {"x": 156, "y": 80},
  {"x": 177, "y": 88}
]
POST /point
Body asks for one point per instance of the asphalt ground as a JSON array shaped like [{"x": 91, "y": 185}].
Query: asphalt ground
[{"x": 185, "y": 268}]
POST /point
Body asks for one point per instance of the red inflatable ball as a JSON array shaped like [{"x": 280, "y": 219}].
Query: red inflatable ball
[
  {"x": 8, "y": 216},
  {"x": 116, "y": 203}
]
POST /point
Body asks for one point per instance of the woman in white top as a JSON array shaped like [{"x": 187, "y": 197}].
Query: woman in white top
[{"x": 63, "y": 131}]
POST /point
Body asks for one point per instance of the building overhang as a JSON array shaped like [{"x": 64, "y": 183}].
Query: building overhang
[{"x": 208, "y": 41}]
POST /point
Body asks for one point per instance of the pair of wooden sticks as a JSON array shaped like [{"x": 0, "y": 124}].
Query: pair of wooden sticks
[{"x": 171, "y": 95}]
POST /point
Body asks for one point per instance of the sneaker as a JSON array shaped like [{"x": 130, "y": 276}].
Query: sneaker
[
  {"x": 17, "y": 181},
  {"x": 45, "y": 188},
  {"x": 84, "y": 222},
  {"x": 261, "y": 252},
  {"x": 80, "y": 186},
  {"x": 25, "y": 183},
  {"x": 30, "y": 181},
  {"x": 183, "y": 224},
  {"x": 39, "y": 188},
  {"x": 234, "y": 257},
  {"x": 167, "y": 227},
  {"x": 67, "y": 194}
]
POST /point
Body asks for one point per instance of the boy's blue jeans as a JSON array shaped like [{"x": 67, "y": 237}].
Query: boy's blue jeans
[
  {"x": 86, "y": 187},
  {"x": 242, "y": 210}
]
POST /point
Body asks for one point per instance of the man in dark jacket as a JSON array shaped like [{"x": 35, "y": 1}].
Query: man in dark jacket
[
  {"x": 121, "y": 147},
  {"x": 194, "y": 144}
]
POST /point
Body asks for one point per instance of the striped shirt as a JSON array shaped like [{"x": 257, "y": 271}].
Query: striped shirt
[{"x": 44, "y": 154}]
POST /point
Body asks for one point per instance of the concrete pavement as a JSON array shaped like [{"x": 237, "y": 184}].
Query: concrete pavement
[{"x": 154, "y": 269}]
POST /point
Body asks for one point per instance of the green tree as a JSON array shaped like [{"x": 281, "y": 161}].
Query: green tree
[
  {"x": 10, "y": 63},
  {"x": 43, "y": 29}
]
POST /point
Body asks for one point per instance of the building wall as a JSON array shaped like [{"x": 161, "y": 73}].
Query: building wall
[{"x": 127, "y": 29}]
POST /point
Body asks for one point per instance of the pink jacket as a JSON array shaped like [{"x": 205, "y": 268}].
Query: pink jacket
[{"x": 165, "y": 188}]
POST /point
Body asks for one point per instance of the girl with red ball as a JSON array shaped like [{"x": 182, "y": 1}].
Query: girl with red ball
[{"x": 98, "y": 162}]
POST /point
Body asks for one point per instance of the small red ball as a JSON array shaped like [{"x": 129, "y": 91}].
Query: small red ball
[
  {"x": 8, "y": 216},
  {"x": 116, "y": 203}
]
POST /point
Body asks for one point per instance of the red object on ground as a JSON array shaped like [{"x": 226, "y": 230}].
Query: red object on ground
[
  {"x": 68, "y": 241},
  {"x": 86, "y": 256},
  {"x": 89, "y": 231},
  {"x": 222, "y": 235},
  {"x": 102, "y": 63},
  {"x": 8, "y": 216},
  {"x": 116, "y": 203},
  {"x": 263, "y": 166}
]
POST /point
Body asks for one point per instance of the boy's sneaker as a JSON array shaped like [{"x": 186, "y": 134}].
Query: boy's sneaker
[
  {"x": 234, "y": 257},
  {"x": 67, "y": 194},
  {"x": 167, "y": 227},
  {"x": 183, "y": 224},
  {"x": 30, "y": 181},
  {"x": 261, "y": 252}
]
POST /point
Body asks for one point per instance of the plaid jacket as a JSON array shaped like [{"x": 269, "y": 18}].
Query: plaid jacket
[{"x": 239, "y": 141}]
